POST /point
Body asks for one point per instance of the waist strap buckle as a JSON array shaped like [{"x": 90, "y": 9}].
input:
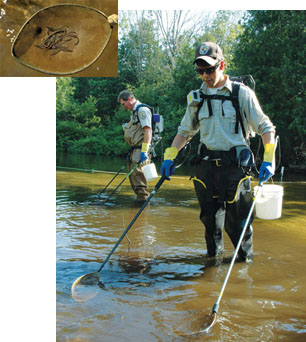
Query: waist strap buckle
[{"x": 217, "y": 161}]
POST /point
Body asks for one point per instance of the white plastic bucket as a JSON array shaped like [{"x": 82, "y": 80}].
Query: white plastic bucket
[
  {"x": 149, "y": 171},
  {"x": 269, "y": 201}
]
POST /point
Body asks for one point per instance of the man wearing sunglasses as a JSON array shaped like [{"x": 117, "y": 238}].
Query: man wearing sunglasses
[{"x": 225, "y": 121}]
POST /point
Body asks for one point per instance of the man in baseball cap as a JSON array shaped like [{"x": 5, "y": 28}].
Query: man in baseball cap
[
  {"x": 209, "y": 52},
  {"x": 223, "y": 183}
]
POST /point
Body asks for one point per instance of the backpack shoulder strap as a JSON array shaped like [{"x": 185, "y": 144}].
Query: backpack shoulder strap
[
  {"x": 142, "y": 105},
  {"x": 135, "y": 111},
  {"x": 234, "y": 97},
  {"x": 200, "y": 104},
  {"x": 235, "y": 90},
  {"x": 235, "y": 102}
]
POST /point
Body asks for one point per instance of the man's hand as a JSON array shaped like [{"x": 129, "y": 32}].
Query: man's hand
[
  {"x": 267, "y": 168},
  {"x": 266, "y": 171},
  {"x": 144, "y": 152},
  {"x": 168, "y": 168},
  {"x": 143, "y": 156}
]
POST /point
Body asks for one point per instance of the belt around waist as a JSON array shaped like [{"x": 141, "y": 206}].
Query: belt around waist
[
  {"x": 136, "y": 147},
  {"x": 207, "y": 154}
]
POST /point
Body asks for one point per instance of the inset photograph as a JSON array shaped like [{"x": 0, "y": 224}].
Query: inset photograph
[{"x": 41, "y": 38}]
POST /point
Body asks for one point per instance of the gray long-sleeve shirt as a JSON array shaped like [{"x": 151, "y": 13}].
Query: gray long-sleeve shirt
[{"x": 217, "y": 132}]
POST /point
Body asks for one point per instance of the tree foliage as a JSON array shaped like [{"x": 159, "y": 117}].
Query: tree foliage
[
  {"x": 272, "y": 49},
  {"x": 155, "y": 62}
]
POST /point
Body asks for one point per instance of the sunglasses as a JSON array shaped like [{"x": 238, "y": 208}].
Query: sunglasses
[{"x": 207, "y": 70}]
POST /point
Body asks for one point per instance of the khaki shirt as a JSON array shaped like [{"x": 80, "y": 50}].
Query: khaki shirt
[
  {"x": 217, "y": 132},
  {"x": 133, "y": 130}
]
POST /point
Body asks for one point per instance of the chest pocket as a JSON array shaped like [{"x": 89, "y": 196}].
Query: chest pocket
[
  {"x": 204, "y": 118},
  {"x": 228, "y": 117}
]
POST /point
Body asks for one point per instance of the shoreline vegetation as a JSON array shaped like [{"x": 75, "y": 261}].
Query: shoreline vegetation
[{"x": 155, "y": 63}]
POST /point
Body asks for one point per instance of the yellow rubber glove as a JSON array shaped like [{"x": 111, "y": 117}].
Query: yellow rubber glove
[
  {"x": 269, "y": 155},
  {"x": 145, "y": 147},
  {"x": 170, "y": 153},
  {"x": 267, "y": 168},
  {"x": 144, "y": 152},
  {"x": 168, "y": 168}
]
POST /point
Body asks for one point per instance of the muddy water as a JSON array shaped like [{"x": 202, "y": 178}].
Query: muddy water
[
  {"x": 14, "y": 13},
  {"x": 158, "y": 285}
]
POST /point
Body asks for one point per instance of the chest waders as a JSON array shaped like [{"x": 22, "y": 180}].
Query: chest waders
[
  {"x": 223, "y": 189},
  {"x": 133, "y": 135}
]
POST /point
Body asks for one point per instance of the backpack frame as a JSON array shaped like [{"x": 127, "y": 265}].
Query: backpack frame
[{"x": 156, "y": 120}]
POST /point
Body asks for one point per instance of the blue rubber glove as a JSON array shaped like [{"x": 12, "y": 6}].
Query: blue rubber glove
[
  {"x": 266, "y": 171},
  {"x": 167, "y": 169},
  {"x": 143, "y": 156},
  {"x": 267, "y": 168},
  {"x": 144, "y": 152}
]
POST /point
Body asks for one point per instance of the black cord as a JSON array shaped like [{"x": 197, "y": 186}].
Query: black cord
[
  {"x": 279, "y": 153},
  {"x": 187, "y": 148}
]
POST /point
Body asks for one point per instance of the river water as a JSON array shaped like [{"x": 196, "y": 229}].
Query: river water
[{"x": 158, "y": 284}]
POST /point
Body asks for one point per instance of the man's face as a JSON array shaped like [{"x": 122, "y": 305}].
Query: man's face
[
  {"x": 128, "y": 104},
  {"x": 212, "y": 76}
]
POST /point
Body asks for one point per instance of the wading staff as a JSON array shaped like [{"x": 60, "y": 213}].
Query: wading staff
[
  {"x": 216, "y": 305},
  {"x": 101, "y": 192},
  {"x": 151, "y": 149},
  {"x": 122, "y": 182},
  {"x": 93, "y": 278}
]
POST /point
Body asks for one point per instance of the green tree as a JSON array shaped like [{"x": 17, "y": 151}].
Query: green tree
[
  {"x": 225, "y": 30},
  {"x": 74, "y": 120},
  {"x": 155, "y": 62},
  {"x": 272, "y": 49},
  {"x": 64, "y": 98}
]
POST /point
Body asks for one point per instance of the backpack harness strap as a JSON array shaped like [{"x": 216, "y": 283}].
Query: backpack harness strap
[
  {"x": 135, "y": 111},
  {"x": 233, "y": 97}
]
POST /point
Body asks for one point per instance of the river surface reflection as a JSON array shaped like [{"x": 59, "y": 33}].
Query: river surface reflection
[{"x": 158, "y": 285}]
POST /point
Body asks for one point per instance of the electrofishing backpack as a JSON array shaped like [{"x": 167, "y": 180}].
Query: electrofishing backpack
[
  {"x": 196, "y": 99},
  {"x": 157, "y": 120}
]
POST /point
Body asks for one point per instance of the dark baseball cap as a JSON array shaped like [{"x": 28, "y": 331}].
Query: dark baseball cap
[{"x": 209, "y": 52}]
